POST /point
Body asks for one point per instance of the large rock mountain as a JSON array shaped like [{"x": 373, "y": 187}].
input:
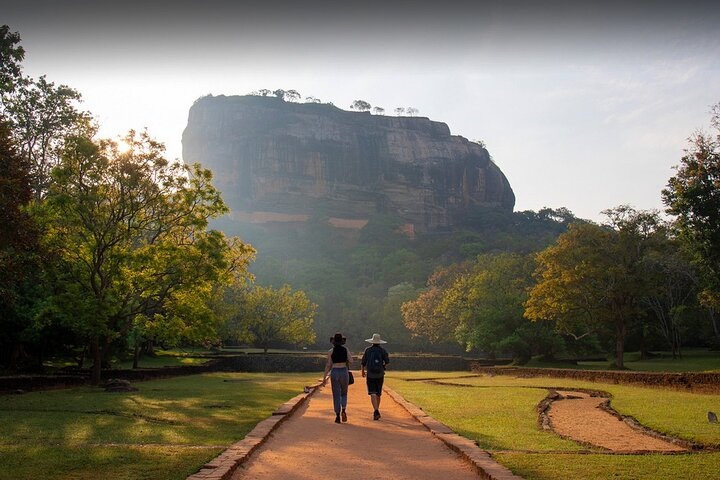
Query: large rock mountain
[{"x": 279, "y": 161}]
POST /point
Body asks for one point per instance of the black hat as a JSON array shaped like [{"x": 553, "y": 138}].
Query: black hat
[{"x": 338, "y": 339}]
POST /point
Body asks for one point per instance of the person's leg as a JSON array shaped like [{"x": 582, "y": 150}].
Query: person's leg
[
  {"x": 336, "y": 392},
  {"x": 343, "y": 379},
  {"x": 375, "y": 400},
  {"x": 380, "y": 382}
]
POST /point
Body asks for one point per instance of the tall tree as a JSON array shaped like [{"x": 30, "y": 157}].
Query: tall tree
[
  {"x": 693, "y": 196},
  {"x": 361, "y": 106},
  {"x": 266, "y": 315},
  {"x": 591, "y": 279},
  {"x": 488, "y": 302},
  {"x": 11, "y": 57},
  {"x": 129, "y": 232},
  {"x": 19, "y": 250},
  {"x": 424, "y": 317},
  {"x": 43, "y": 115}
]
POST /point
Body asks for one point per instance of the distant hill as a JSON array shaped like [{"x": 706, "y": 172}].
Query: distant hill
[{"x": 284, "y": 162}]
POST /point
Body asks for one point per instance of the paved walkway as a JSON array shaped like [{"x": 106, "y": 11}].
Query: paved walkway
[{"x": 309, "y": 445}]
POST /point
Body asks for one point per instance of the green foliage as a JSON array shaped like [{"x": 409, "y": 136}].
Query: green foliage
[
  {"x": 693, "y": 196},
  {"x": 593, "y": 280},
  {"x": 267, "y": 316},
  {"x": 11, "y": 55},
  {"x": 129, "y": 234},
  {"x": 43, "y": 115}
]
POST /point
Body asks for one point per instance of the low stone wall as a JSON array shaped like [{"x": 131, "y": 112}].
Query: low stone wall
[
  {"x": 27, "y": 383},
  {"x": 707, "y": 382},
  {"x": 316, "y": 363},
  {"x": 75, "y": 377}
]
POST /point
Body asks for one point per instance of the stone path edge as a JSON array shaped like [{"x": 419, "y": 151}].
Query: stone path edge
[
  {"x": 224, "y": 465},
  {"x": 484, "y": 464}
]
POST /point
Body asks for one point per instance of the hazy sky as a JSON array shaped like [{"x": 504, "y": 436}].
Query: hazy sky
[{"x": 582, "y": 105}]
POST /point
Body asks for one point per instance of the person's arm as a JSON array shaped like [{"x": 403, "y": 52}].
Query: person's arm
[
  {"x": 386, "y": 358},
  {"x": 362, "y": 365},
  {"x": 350, "y": 358},
  {"x": 328, "y": 366}
]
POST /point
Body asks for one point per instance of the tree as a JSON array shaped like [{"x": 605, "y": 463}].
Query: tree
[
  {"x": 674, "y": 282},
  {"x": 291, "y": 95},
  {"x": 391, "y": 317},
  {"x": 411, "y": 111},
  {"x": 378, "y": 110},
  {"x": 279, "y": 93},
  {"x": 591, "y": 279},
  {"x": 11, "y": 56},
  {"x": 19, "y": 251},
  {"x": 423, "y": 317},
  {"x": 693, "y": 196},
  {"x": 360, "y": 105},
  {"x": 399, "y": 111},
  {"x": 42, "y": 116},
  {"x": 265, "y": 316},
  {"x": 264, "y": 92},
  {"x": 488, "y": 302},
  {"x": 129, "y": 234},
  {"x": 312, "y": 99}
]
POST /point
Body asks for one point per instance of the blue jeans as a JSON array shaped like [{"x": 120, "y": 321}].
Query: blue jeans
[{"x": 339, "y": 382}]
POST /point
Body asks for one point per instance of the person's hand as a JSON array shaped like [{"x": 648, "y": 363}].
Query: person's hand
[{"x": 362, "y": 372}]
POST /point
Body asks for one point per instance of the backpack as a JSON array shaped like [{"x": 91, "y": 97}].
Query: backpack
[{"x": 374, "y": 358}]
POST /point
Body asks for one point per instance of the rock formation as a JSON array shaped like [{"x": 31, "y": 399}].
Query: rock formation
[{"x": 280, "y": 161}]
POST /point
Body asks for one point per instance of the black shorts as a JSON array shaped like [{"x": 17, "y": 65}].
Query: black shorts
[{"x": 374, "y": 385}]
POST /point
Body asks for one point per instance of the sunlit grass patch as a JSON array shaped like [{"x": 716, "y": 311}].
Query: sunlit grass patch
[
  {"x": 497, "y": 418},
  {"x": 499, "y": 413},
  {"x": 602, "y": 467},
  {"x": 210, "y": 410},
  {"x": 673, "y": 412}
]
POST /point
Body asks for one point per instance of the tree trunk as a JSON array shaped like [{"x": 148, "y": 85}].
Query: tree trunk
[
  {"x": 81, "y": 360},
  {"x": 96, "y": 374},
  {"x": 620, "y": 346},
  {"x": 644, "y": 351},
  {"x": 136, "y": 355},
  {"x": 716, "y": 327},
  {"x": 148, "y": 348}
]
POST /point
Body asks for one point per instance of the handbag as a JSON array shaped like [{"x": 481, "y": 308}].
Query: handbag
[{"x": 351, "y": 379}]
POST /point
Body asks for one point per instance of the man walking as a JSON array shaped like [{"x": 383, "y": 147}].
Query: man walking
[{"x": 374, "y": 360}]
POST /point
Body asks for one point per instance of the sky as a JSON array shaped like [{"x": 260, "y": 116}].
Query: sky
[{"x": 584, "y": 105}]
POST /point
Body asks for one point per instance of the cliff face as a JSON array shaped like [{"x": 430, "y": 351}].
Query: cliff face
[{"x": 280, "y": 161}]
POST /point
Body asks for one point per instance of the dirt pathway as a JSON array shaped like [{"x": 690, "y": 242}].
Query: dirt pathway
[
  {"x": 310, "y": 445},
  {"x": 581, "y": 419}
]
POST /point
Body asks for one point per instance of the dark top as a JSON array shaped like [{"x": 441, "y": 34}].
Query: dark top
[
  {"x": 339, "y": 354},
  {"x": 385, "y": 358}
]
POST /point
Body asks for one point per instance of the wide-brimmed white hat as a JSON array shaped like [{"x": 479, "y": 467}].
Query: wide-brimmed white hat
[{"x": 375, "y": 339}]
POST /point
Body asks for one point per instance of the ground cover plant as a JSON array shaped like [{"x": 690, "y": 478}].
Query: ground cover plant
[
  {"x": 166, "y": 430},
  {"x": 499, "y": 413}
]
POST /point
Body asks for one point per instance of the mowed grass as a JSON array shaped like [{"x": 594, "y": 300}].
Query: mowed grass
[
  {"x": 166, "y": 430},
  {"x": 499, "y": 413},
  {"x": 692, "y": 360},
  {"x": 698, "y": 466}
]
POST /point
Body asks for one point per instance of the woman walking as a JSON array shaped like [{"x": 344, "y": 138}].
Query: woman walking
[{"x": 338, "y": 364}]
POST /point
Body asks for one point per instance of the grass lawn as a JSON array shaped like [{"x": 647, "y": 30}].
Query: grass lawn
[
  {"x": 499, "y": 413},
  {"x": 166, "y": 430},
  {"x": 693, "y": 360}
]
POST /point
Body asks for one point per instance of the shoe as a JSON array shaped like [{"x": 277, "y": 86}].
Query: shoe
[
  {"x": 337, "y": 418},
  {"x": 343, "y": 416},
  {"x": 376, "y": 415}
]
